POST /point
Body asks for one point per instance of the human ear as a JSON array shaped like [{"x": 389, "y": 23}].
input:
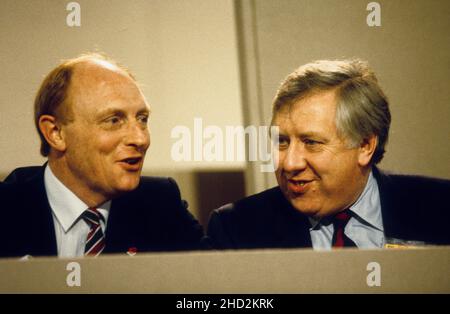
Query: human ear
[
  {"x": 367, "y": 149},
  {"x": 52, "y": 132}
]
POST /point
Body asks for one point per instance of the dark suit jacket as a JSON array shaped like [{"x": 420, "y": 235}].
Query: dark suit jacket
[
  {"x": 413, "y": 208},
  {"x": 151, "y": 218}
]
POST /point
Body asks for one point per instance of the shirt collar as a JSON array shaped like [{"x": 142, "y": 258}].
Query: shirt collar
[
  {"x": 313, "y": 222},
  {"x": 65, "y": 205},
  {"x": 367, "y": 207}
]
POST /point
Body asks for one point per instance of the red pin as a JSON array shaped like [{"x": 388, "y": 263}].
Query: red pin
[{"x": 132, "y": 251}]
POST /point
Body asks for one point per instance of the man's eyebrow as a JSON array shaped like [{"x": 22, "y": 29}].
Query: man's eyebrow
[
  {"x": 313, "y": 134},
  {"x": 310, "y": 134},
  {"x": 303, "y": 135},
  {"x": 117, "y": 110},
  {"x": 108, "y": 111},
  {"x": 145, "y": 110}
]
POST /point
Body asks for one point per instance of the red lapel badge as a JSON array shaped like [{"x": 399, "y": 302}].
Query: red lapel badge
[{"x": 132, "y": 251}]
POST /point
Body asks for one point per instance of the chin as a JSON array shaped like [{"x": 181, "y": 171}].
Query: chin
[
  {"x": 306, "y": 208},
  {"x": 128, "y": 183}
]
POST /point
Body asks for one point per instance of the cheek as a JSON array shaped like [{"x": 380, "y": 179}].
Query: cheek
[
  {"x": 328, "y": 169},
  {"x": 339, "y": 174},
  {"x": 278, "y": 160},
  {"x": 81, "y": 139},
  {"x": 323, "y": 164},
  {"x": 105, "y": 143},
  {"x": 78, "y": 147}
]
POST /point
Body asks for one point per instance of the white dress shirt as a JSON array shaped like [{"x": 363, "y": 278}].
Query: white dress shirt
[
  {"x": 365, "y": 228},
  {"x": 70, "y": 229}
]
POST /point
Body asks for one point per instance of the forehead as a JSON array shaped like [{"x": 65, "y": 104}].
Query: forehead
[
  {"x": 96, "y": 86},
  {"x": 313, "y": 113}
]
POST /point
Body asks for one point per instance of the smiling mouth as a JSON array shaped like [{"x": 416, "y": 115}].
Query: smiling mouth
[
  {"x": 301, "y": 183},
  {"x": 298, "y": 186}
]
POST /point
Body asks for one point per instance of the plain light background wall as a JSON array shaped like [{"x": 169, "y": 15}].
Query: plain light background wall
[{"x": 410, "y": 53}]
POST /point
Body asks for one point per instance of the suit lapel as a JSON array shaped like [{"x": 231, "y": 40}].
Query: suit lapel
[
  {"x": 112, "y": 230},
  {"x": 41, "y": 231},
  {"x": 392, "y": 222},
  {"x": 121, "y": 227},
  {"x": 291, "y": 226}
]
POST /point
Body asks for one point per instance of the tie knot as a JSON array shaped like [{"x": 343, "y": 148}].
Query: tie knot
[
  {"x": 342, "y": 218},
  {"x": 95, "y": 241},
  {"x": 92, "y": 216}
]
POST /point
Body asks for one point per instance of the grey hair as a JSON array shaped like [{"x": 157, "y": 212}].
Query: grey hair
[{"x": 362, "y": 107}]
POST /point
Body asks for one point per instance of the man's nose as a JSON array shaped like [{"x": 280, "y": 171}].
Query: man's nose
[
  {"x": 295, "y": 158},
  {"x": 138, "y": 136}
]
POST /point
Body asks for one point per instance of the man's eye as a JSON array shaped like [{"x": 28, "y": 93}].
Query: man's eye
[
  {"x": 112, "y": 120},
  {"x": 143, "y": 119},
  {"x": 311, "y": 142},
  {"x": 281, "y": 142}
]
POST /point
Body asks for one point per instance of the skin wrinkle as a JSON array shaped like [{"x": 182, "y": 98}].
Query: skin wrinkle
[
  {"x": 337, "y": 173},
  {"x": 92, "y": 145}
]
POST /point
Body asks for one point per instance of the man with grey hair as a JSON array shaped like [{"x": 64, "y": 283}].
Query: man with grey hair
[{"x": 333, "y": 121}]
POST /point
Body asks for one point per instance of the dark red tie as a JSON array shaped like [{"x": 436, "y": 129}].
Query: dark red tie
[
  {"x": 95, "y": 241},
  {"x": 340, "y": 240}
]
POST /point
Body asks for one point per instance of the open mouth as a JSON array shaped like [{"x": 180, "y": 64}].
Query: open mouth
[
  {"x": 298, "y": 186},
  {"x": 299, "y": 183},
  {"x": 132, "y": 161}
]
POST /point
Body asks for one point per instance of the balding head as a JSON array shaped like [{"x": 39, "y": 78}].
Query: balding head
[
  {"x": 53, "y": 95},
  {"x": 95, "y": 131}
]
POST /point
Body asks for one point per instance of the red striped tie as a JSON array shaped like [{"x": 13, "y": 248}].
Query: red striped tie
[{"x": 95, "y": 242}]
